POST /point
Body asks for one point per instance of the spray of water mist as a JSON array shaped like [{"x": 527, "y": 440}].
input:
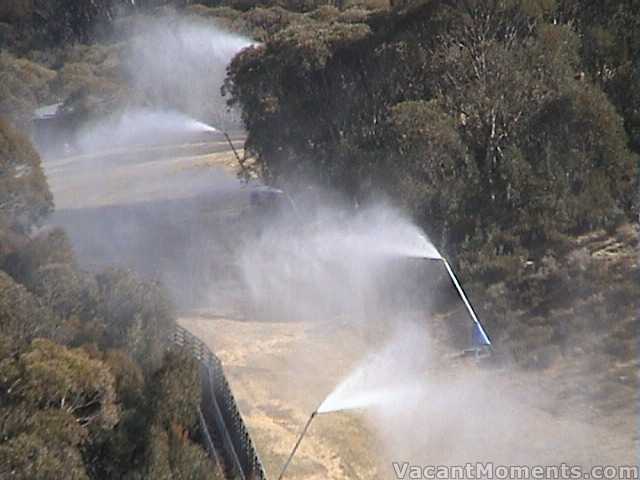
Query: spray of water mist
[
  {"x": 329, "y": 266},
  {"x": 141, "y": 207},
  {"x": 422, "y": 411},
  {"x": 138, "y": 126},
  {"x": 175, "y": 67},
  {"x": 183, "y": 61},
  {"x": 335, "y": 266},
  {"x": 393, "y": 374}
]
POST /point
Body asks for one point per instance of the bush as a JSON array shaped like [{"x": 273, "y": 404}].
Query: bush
[
  {"x": 137, "y": 315},
  {"x": 35, "y": 457},
  {"x": 53, "y": 401},
  {"x": 101, "y": 81},
  {"x": 176, "y": 391},
  {"x": 176, "y": 398},
  {"x": 129, "y": 378},
  {"x": 25, "y": 199},
  {"x": 12, "y": 10},
  {"x": 24, "y": 317},
  {"x": 49, "y": 247},
  {"x": 50, "y": 376},
  {"x": 68, "y": 292},
  {"x": 23, "y": 86}
]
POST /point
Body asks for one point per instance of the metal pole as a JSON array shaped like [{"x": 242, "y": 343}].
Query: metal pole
[
  {"x": 466, "y": 302},
  {"x": 233, "y": 148},
  {"x": 295, "y": 448}
]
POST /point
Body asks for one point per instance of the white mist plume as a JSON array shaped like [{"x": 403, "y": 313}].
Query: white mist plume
[
  {"x": 176, "y": 67},
  {"x": 183, "y": 61},
  {"x": 331, "y": 268},
  {"x": 379, "y": 231},
  {"x": 140, "y": 126},
  {"x": 393, "y": 375}
]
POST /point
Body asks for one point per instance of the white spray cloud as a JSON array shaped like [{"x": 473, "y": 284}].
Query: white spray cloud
[
  {"x": 394, "y": 374},
  {"x": 182, "y": 62},
  {"x": 138, "y": 126},
  {"x": 175, "y": 67},
  {"x": 333, "y": 267}
]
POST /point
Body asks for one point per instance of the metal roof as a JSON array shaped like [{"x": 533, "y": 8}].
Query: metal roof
[{"x": 47, "y": 111}]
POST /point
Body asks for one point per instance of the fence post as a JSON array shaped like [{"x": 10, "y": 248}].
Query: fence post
[{"x": 218, "y": 402}]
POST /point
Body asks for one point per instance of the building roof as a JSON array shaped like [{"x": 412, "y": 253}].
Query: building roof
[{"x": 47, "y": 111}]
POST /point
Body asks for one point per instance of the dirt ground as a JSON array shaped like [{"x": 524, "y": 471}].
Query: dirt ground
[
  {"x": 134, "y": 175},
  {"x": 280, "y": 372}
]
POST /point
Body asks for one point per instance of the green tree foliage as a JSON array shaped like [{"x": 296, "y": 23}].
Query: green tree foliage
[
  {"x": 24, "y": 195},
  {"x": 62, "y": 21},
  {"x": 505, "y": 88},
  {"x": 49, "y": 247},
  {"x": 120, "y": 452},
  {"x": 476, "y": 108},
  {"x": 158, "y": 465},
  {"x": 298, "y": 60},
  {"x": 610, "y": 34},
  {"x": 95, "y": 415},
  {"x": 40, "y": 445},
  {"x": 137, "y": 315},
  {"x": 176, "y": 388},
  {"x": 23, "y": 317},
  {"x": 23, "y": 85},
  {"x": 46, "y": 266},
  {"x": 52, "y": 401},
  {"x": 189, "y": 461},
  {"x": 128, "y": 376},
  {"x": 177, "y": 391},
  {"x": 438, "y": 170},
  {"x": 49, "y": 376},
  {"x": 69, "y": 292},
  {"x": 158, "y": 432}
]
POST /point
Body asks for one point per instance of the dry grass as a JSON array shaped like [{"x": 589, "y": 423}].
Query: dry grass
[{"x": 279, "y": 373}]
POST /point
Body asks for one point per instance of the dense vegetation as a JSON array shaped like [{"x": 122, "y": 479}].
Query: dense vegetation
[
  {"x": 509, "y": 129},
  {"x": 88, "y": 387}
]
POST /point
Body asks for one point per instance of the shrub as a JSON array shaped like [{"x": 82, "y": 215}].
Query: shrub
[
  {"x": 129, "y": 379},
  {"x": 137, "y": 315},
  {"x": 176, "y": 391},
  {"x": 12, "y": 10},
  {"x": 68, "y": 292},
  {"x": 50, "y": 246},
  {"x": 24, "y": 317},
  {"x": 35, "y": 456},
  {"x": 23, "y": 86},
  {"x": 48, "y": 375},
  {"x": 176, "y": 398},
  {"x": 25, "y": 198}
]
